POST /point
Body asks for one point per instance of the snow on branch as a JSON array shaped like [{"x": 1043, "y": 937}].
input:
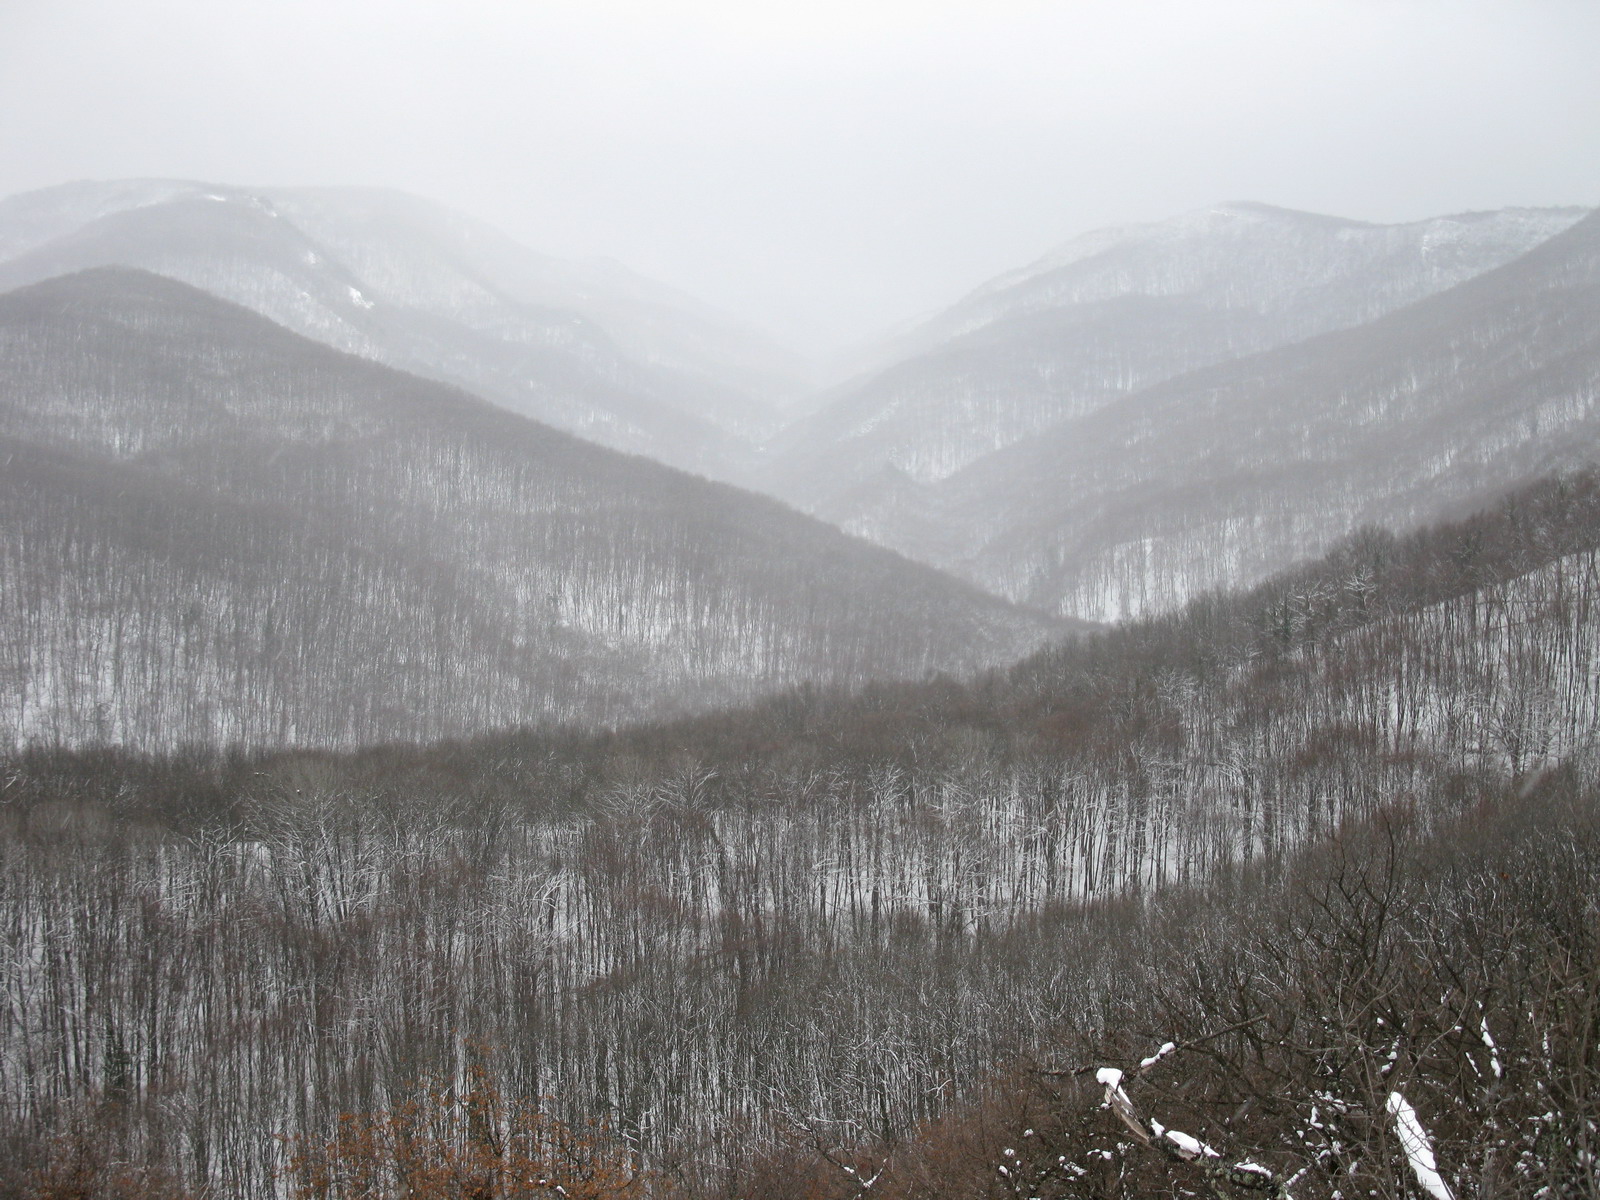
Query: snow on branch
[
  {"x": 1179, "y": 1146},
  {"x": 1418, "y": 1147},
  {"x": 1166, "y": 1048}
]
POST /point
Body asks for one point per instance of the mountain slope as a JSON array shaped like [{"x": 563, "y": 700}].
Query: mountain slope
[
  {"x": 221, "y": 531},
  {"x": 849, "y": 915},
  {"x": 1223, "y": 475},
  {"x": 588, "y": 347},
  {"x": 429, "y": 257},
  {"x": 1112, "y": 313}
]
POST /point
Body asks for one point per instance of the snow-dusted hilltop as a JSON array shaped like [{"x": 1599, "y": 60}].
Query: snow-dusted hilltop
[
  {"x": 219, "y": 531},
  {"x": 1304, "y": 269},
  {"x": 1220, "y": 476},
  {"x": 1111, "y": 313},
  {"x": 586, "y": 346},
  {"x": 1163, "y": 408}
]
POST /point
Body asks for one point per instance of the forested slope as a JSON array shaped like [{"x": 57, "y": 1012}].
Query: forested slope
[
  {"x": 221, "y": 532},
  {"x": 1110, "y": 314},
  {"x": 1222, "y": 476},
  {"x": 764, "y": 946},
  {"x": 1406, "y": 1010}
]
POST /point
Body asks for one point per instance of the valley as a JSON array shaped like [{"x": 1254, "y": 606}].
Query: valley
[{"x": 476, "y": 724}]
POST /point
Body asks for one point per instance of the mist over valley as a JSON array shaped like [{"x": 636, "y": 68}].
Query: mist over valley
[{"x": 785, "y": 604}]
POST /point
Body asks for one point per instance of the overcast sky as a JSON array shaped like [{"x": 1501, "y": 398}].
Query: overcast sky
[{"x": 830, "y": 166}]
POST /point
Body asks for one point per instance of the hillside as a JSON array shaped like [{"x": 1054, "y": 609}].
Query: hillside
[
  {"x": 1221, "y": 476},
  {"x": 1111, "y": 313},
  {"x": 1333, "y": 829},
  {"x": 585, "y": 346},
  {"x": 221, "y": 532}
]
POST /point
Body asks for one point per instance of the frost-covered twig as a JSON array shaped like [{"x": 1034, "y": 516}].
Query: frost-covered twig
[{"x": 1166, "y": 1051}]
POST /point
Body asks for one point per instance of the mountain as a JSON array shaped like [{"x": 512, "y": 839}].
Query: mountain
[
  {"x": 1220, "y": 476},
  {"x": 220, "y": 531},
  {"x": 586, "y": 346},
  {"x": 1109, "y": 314}
]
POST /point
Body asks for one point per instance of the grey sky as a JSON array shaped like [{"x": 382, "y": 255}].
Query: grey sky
[{"x": 825, "y": 166}]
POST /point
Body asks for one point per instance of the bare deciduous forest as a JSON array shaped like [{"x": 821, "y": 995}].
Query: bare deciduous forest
[
  {"x": 365, "y": 556},
  {"x": 1290, "y": 892},
  {"x": 827, "y": 600}
]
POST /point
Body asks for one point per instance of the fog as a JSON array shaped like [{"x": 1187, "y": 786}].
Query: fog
[{"x": 825, "y": 169}]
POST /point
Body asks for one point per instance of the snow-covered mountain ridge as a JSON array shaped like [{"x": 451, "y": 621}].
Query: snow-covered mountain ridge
[
  {"x": 1221, "y": 476},
  {"x": 1116, "y": 311},
  {"x": 586, "y": 346},
  {"x": 1259, "y": 256}
]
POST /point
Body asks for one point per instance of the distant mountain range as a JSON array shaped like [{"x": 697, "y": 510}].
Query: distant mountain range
[
  {"x": 586, "y": 346},
  {"x": 1119, "y": 310},
  {"x": 219, "y": 531},
  {"x": 1222, "y": 476},
  {"x": 293, "y": 524},
  {"x": 1163, "y": 408}
]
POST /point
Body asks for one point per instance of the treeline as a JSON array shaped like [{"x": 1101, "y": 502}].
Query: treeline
[{"x": 818, "y": 923}]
